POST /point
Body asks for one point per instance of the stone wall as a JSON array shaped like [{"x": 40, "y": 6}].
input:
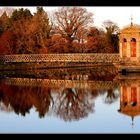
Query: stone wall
[{"x": 78, "y": 57}]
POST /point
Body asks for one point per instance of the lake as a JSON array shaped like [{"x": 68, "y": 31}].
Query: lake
[{"x": 72, "y": 100}]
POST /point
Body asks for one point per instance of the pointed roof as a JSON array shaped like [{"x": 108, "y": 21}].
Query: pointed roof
[
  {"x": 131, "y": 28},
  {"x": 130, "y": 113}
]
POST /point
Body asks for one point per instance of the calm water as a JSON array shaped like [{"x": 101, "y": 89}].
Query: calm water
[{"x": 92, "y": 100}]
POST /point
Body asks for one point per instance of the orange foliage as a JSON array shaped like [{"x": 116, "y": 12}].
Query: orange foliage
[
  {"x": 56, "y": 37},
  {"x": 58, "y": 44},
  {"x": 5, "y": 43}
]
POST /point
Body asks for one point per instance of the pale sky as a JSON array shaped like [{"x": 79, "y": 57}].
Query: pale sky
[{"x": 120, "y": 15}]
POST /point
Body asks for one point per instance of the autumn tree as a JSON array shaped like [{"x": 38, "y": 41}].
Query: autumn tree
[
  {"x": 19, "y": 22},
  {"x": 5, "y": 43},
  {"x": 92, "y": 39},
  {"x": 98, "y": 41},
  {"x": 21, "y": 13},
  {"x": 41, "y": 29},
  {"x": 78, "y": 45},
  {"x": 58, "y": 44},
  {"x": 1, "y": 28},
  {"x": 4, "y": 34},
  {"x": 4, "y": 22},
  {"x": 29, "y": 32},
  {"x": 8, "y": 11},
  {"x": 103, "y": 45},
  {"x": 112, "y": 34},
  {"x": 69, "y": 20}
]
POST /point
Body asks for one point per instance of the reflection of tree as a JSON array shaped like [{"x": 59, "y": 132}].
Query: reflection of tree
[
  {"x": 67, "y": 103},
  {"x": 22, "y": 99},
  {"x": 70, "y": 104},
  {"x": 111, "y": 96},
  {"x": 73, "y": 104}
]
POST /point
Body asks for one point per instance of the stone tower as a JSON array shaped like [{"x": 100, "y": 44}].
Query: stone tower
[{"x": 130, "y": 43}]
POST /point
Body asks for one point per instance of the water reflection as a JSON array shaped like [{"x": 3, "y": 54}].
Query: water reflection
[
  {"x": 69, "y": 94},
  {"x": 130, "y": 95},
  {"x": 111, "y": 96},
  {"x": 67, "y": 103}
]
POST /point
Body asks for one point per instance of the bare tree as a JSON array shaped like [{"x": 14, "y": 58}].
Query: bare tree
[
  {"x": 69, "y": 20},
  {"x": 110, "y": 27}
]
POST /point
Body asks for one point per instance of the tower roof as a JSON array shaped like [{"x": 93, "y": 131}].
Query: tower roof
[
  {"x": 131, "y": 29},
  {"x": 130, "y": 113}
]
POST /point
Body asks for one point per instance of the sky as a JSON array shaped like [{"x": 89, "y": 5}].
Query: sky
[{"x": 120, "y": 15}]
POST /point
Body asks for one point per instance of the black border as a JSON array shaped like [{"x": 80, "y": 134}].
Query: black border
[{"x": 69, "y": 3}]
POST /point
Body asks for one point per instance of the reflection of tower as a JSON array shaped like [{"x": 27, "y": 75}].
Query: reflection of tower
[
  {"x": 130, "y": 99},
  {"x": 132, "y": 121}
]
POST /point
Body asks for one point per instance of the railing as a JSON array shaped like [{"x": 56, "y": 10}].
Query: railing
[{"x": 76, "y": 57}]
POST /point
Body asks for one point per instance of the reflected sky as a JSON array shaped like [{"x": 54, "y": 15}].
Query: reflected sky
[{"x": 67, "y": 108}]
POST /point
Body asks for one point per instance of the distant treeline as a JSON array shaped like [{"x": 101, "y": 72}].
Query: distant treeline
[{"x": 66, "y": 30}]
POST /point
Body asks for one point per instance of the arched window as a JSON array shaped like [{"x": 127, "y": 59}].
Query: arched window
[
  {"x": 133, "y": 96},
  {"x": 125, "y": 98},
  {"x": 133, "y": 40},
  {"x": 133, "y": 47},
  {"x": 124, "y": 47},
  {"x": 124, "y": 40}
]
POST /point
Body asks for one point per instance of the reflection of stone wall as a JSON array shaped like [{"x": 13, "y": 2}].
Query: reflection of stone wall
[
  {"x": 61, "y": 83},
  {"x": 101, "y": 72}
]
